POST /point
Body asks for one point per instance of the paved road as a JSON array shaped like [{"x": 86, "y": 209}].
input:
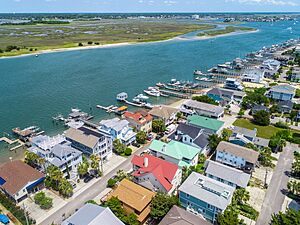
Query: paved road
[
  {"x": 89, "y": 193},
  {"x": 274, "y": 197}
]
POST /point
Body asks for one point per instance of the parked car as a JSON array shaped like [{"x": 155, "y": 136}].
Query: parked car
[
  {"x": 74, "y": 185},
  {"x": 135, "y": 144},
  {"x": 158, "y": 137},
  {"x": 87, "y": 178},
  {"x": 150, "y": 137},
  {"x": 4, "y": 219}
]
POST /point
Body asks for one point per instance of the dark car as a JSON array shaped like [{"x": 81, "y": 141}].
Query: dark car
[
  {"x": 87, "y": 178},
  {"x": 135, "y": 144},
  {"x": 158, "y": 137}
]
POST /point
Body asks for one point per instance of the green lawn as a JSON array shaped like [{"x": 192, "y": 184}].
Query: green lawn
[
  {"x": 262, "y": 131},
  {"x": 227, "y": 30}
]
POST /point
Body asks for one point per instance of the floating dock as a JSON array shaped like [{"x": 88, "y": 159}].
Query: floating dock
[
  {"x": 10, "y": 142},
  {"x": 175, "y": 94}
]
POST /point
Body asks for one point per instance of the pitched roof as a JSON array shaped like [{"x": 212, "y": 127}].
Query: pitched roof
[
  {"x": 114, "y": 123},
  {"x": 138, "y": 117},
  {"x": 208, "y": 190},
  {"x": 244, "y": 131},
  {"x": 164, "y": 171},
  {"x": 228, "y": 173},
  {"x": 248, "y": 154},
  {"x": 204, "y": 106},
  {"x": 83, "y": 136},
  {"x": 91, "y": 214},
  {"x": 179, "y": 216},
  {"x": 17, "y": 175},
  {"x": 261, "y": 141},
  {"x": 163, "y": 111},
  {"x": 205, "y": 122},
  {"x": 189, "y": 130},
  {"x": 174, "y": 149},
  {"x": 283, "y": 88},
  {"x": 134, "y": 195}
]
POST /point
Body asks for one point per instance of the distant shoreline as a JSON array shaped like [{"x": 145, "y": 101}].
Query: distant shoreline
[{"x": 124, "y": 44}]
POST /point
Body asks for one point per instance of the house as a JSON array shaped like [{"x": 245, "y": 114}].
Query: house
[
  {"x": 156, "y": 174},
  {"x": 253, "y": 75},
  {"x": 270, "y": 66},
  {"x": 209, "y": 125},
  {"x": 90, "y": 141},
  {"x": 192, "y": 107},
  {"x": 191, "y": 135},
  {"x": 117, "y": 129},
  {"x": 134, "y": 198},
  {"x": 236, "y": 156},
  {"x": 165, "y": 113},
  {"x": 233, "y": 84},
  {"x": 205, "y": 196},
  {"x": 227, "y": 175},
  {"x": 175, "y": 152},
  {"x": 18, "y": 180},
  {"x": 226, "y": 96},
  {"x": 255, "y": 108},
  {"x": 295, "y": 77},
  {"x": 242, "y": 136},
  {"x": 179, "y": 216},
  {"x": 91, "y": 214},
  {"x": 282, "y": 92},
  {"x": 57, "y": 151},
  {"x": 285, "y": 106},
  {"x": 140, "y": 120}
]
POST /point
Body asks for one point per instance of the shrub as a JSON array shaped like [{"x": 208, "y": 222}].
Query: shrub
[
  {"x": 128, "y": 151},
  {"x": 111, "y": 182},
  {"x": 97, "y": 43},
  {"x": 282, "y": 125},
  {"x": 90, "y": 42},
  {"x": 43, "y": 201},
  {"x": 80, "y": 44}
]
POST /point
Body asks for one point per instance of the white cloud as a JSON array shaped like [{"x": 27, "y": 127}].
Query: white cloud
[
  {"x": 169, "y": 2},
  {"x": 267, "y": 2}
]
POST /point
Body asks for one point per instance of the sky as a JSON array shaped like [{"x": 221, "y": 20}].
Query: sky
[{"x": 118, "y": 6}]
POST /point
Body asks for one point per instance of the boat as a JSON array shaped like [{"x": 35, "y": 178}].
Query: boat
[
  {"x": 122, "y": 96},
  {"x": 159, "y": 84},
  {"x": 198, "y": 72},
  {"x": 152, "y": 92},
  {"x": 142, "y": 97}
]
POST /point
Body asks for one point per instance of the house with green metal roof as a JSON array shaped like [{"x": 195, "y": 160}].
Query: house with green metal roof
[
  {"x": 209, "y": 125},
  {"x": 175, "y": 152}
]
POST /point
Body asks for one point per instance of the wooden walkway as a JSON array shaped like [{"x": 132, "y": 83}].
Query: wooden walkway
[{"x": 10, "y": 142}]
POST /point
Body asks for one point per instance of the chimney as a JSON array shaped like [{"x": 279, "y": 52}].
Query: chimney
[{"x": 145, "y": 162}]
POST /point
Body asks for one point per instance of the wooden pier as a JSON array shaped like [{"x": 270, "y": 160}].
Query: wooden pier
[
  {"x": 10, "y": 142},
  {"x": 175, "y": 94}
]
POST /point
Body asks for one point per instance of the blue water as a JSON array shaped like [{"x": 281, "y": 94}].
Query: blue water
[{"x": 33, "y": 89}]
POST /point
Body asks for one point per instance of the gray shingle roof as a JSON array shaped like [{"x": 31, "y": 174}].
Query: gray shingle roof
[
  {"x": 283, "y": 88},
  {"x": 91, "y": 214},
  {"x": 114, "y": 123},
  {"x": 61, "y": 151},
  {"x": 208, "y": 190},
  {"x": 179, "y": 216},
  {"x": 248, "y": 154},
  {"x": 204, "y": 106},
  {"x": 244, "y": 131},
  {"x": 261, "y": 141},
  {"x": 228, "y": 173}
]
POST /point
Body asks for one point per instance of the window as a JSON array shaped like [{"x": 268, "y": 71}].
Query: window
[{"x": 187, "y": 195}]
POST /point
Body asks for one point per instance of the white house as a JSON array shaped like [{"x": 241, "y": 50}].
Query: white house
[
  {"x": 253, "y": 75},
  {"x": 156, "y": 174},
  {"x": 236, "y": 156},
  {"x": 57, "y": 151},
  {"x": 117, "y": 129},
  {"x": 192, "y": 107}
]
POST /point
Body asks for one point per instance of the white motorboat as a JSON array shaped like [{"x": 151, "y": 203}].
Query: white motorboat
[
  {"x": 198, "y": 72},
  {"x": 152, "y": 92}
]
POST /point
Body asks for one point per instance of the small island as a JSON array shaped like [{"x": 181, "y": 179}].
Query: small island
[{"x": 226, "y": 30}]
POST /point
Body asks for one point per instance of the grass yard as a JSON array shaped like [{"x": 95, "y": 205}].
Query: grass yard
[{"x": 262, "y": 131}]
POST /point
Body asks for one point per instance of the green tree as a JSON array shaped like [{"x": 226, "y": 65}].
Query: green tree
[
  {"x": 158, "y": 126},
  {"x": 290, "y": 217},
  {"x": 161, "y": 204},
  {"x": 91, "y": 202},
  {"x": 205, "y": 99},
  {"x": 31, "y": 158},
  {"x": 128, "y": 151},
  {"x": 119, "y": 146},
  {"x": 132, "y": 219},
  {"x": 213, "y": 141},
  {"x": 179, "y": 115},
  {"x": 43, "y": 201},
  {"x": 141, "y": 137},
  {"x": 95, "y": 160},
  {"x": 65, "y": 188},
  {"x": 261, "y": 118},
  {"x": 55, "y": 175},
  {"x": 226, "y": 133},
  {"x": 111, "y": 182},
  {"x": 241, "y": 196},
  {"x": 116, "y": 207},
  {"x": 229, "y": 217},
  {"x": 82, "y": 169}
]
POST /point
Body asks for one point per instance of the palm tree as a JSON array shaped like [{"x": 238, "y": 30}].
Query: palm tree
[
  {"x": 41, "y": 161},
  {"x": 30, "y": 158},
  {"x": 82, "y": 169},
  {"x": 55, "y": 174},
  {"x": 241, "y": 196},
  {"x": 95, "y": 162},
  {"x": 65, "y": 188}
]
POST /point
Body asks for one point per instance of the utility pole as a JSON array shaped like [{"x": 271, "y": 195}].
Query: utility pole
[
  {"x": 25, "y": 212},
  {"x": 266, "y": 176}
]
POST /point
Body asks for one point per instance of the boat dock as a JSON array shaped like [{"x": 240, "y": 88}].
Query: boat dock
[
  {"x": 108, "y": 109},
  {"x": 175, "y": 94},
  {"x": 10, "y": 142}
]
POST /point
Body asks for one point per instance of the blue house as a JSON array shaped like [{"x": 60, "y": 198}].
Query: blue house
[
  {"x": 282, "y": 92},
  {"x": 205, "y": 196}
]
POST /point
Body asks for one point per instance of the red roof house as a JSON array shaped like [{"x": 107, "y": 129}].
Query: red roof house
[
  {"x": 155, "y": 173},
  {"x": 141, "y": 120}
]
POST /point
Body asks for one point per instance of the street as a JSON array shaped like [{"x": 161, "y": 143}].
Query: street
[
  {"x": 274, "y": 197},
  {"x": 90, "y": 193}
]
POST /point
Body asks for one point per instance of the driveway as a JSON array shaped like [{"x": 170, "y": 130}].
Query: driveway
[
  {"x": 91, "y": 192},
  {"x": 274, "y": 197}
]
